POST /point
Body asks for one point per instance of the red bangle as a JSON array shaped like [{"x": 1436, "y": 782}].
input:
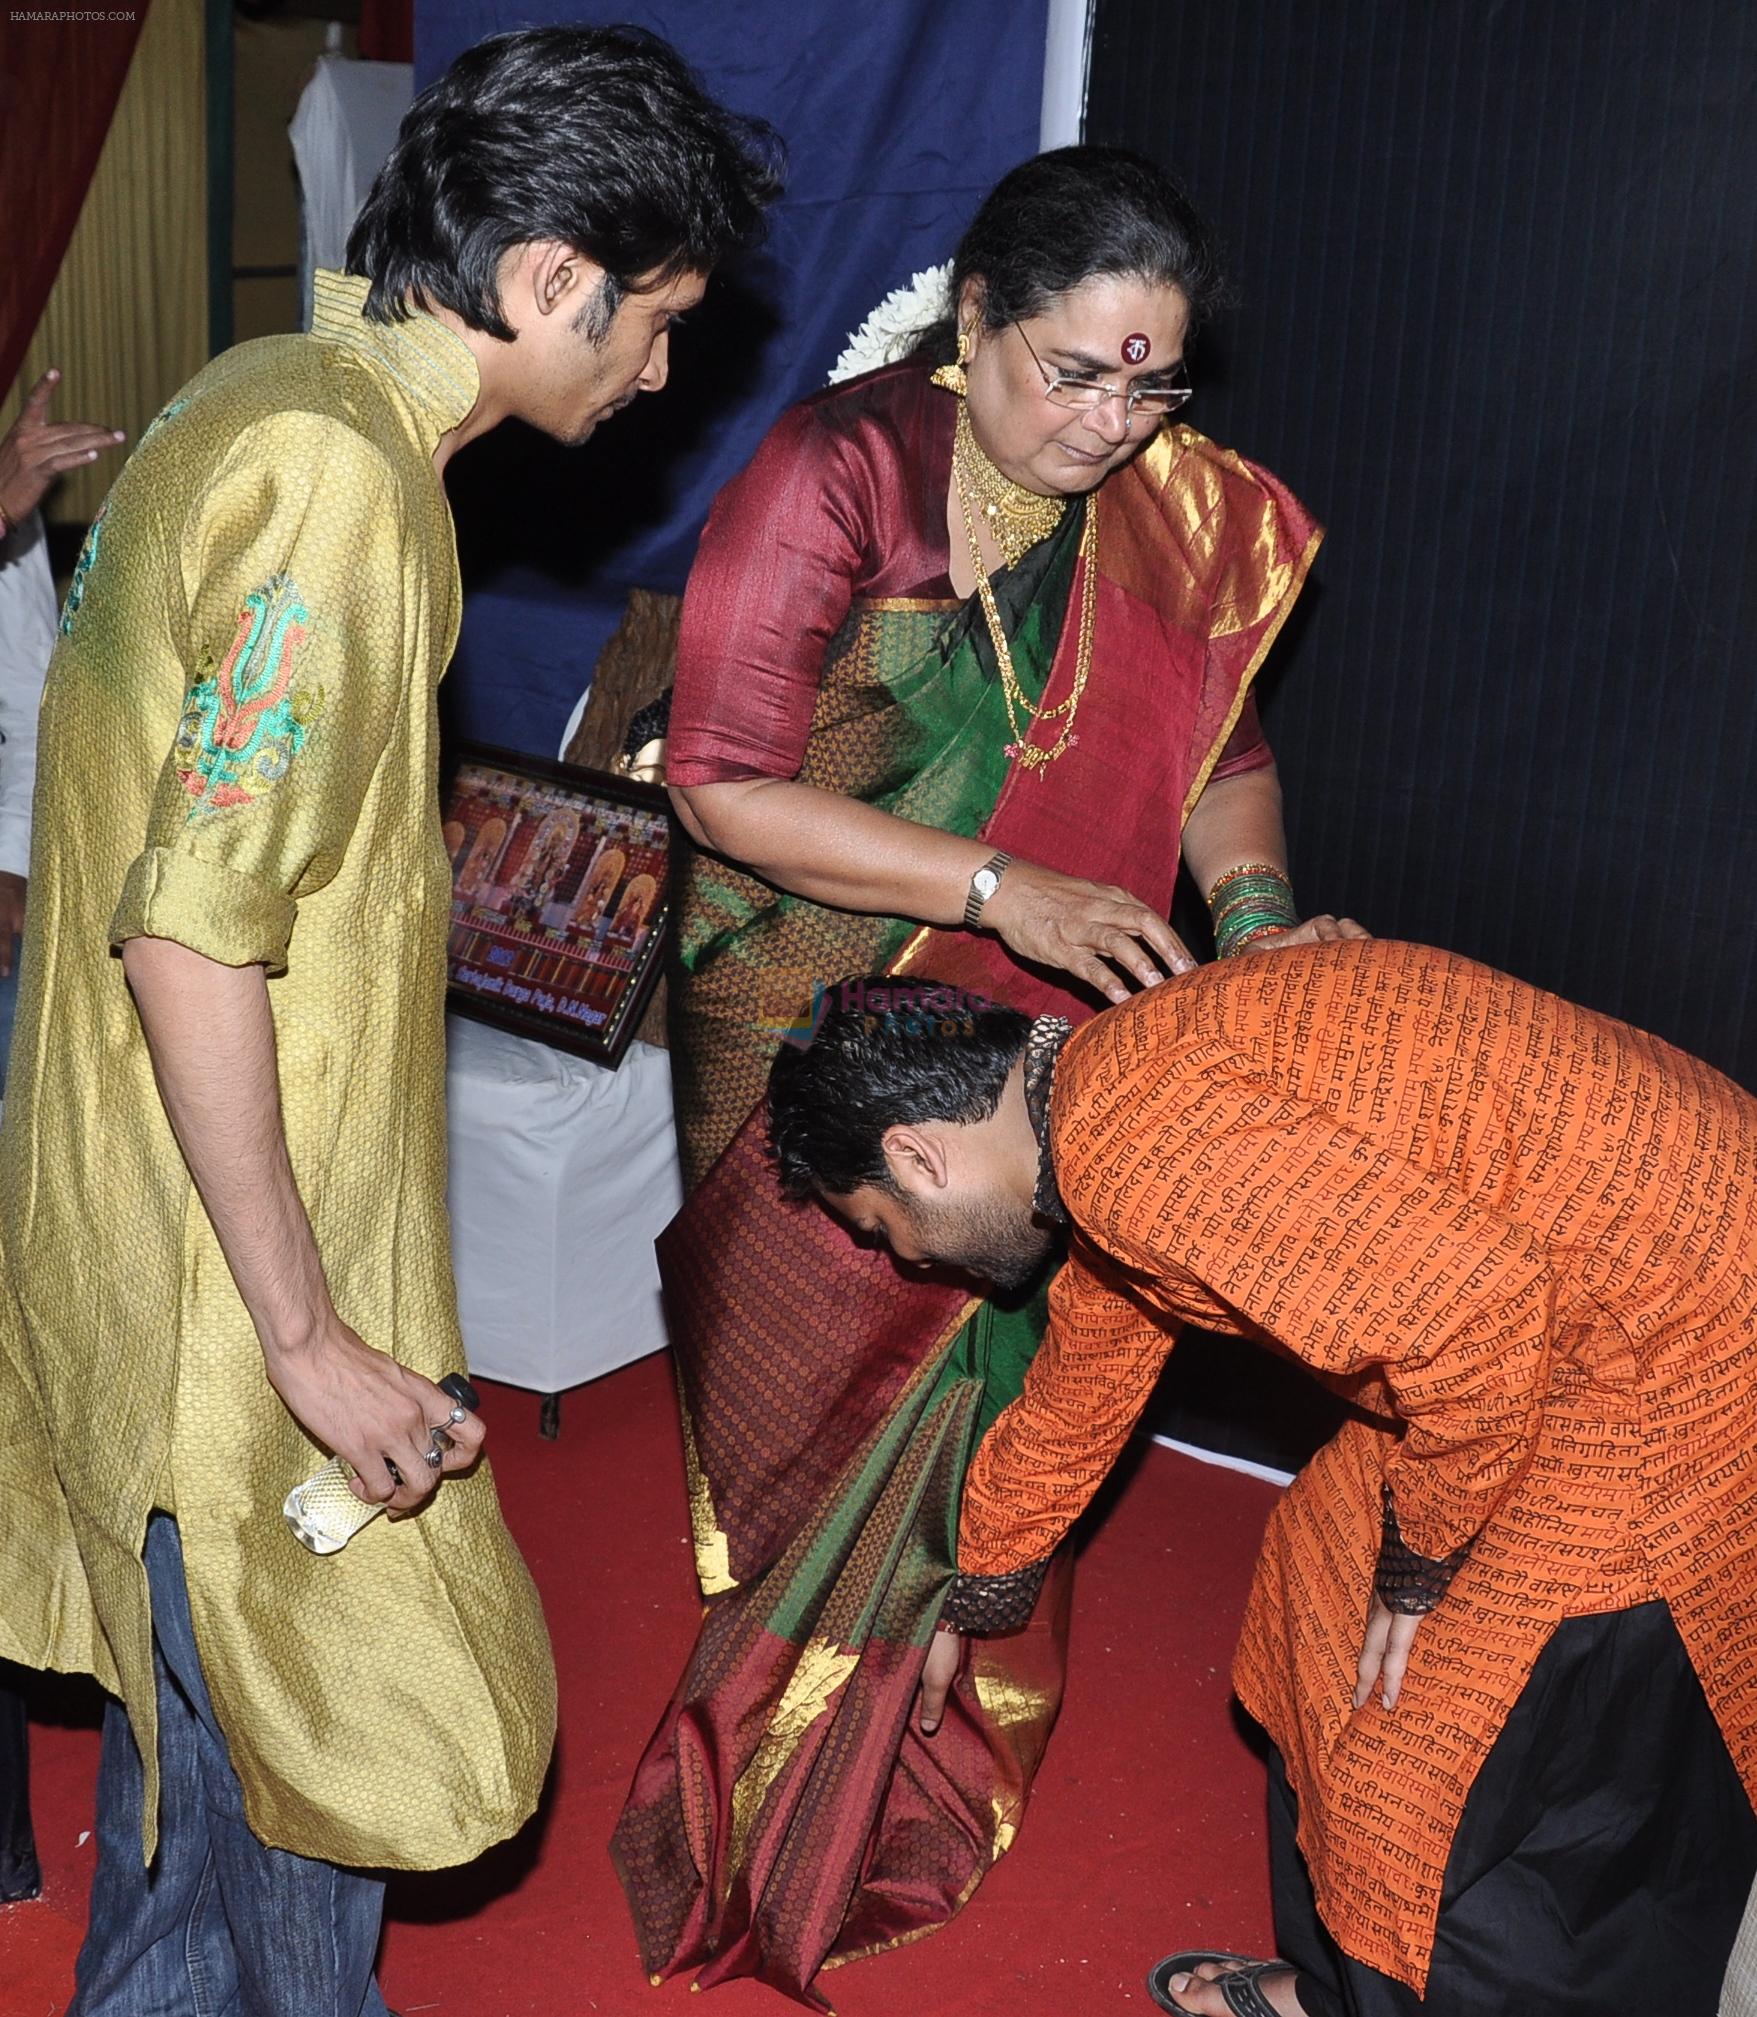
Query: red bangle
[{"x": 944, "y": 1625}]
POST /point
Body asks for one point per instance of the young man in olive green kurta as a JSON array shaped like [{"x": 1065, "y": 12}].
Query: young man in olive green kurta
[{"x": 222, "y": 1199}]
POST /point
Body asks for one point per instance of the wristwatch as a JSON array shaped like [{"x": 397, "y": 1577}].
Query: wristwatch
[{"x": 983, "y": 885}]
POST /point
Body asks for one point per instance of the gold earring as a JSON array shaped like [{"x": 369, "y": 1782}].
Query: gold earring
[{"x": 950, "y": 377}]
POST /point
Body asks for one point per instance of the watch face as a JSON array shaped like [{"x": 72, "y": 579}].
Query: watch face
[{"x": 985, "y": 882}]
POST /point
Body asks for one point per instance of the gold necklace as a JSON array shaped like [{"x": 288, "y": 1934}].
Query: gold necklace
[
  {"x": 1021, "y": 749},
  {"x": 1017, "y": 518}
]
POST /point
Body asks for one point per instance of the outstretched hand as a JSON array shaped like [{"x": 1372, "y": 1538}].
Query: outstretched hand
[
  {"x": 1384, "y": 1653},
  {"x": 34, "y": 450}
]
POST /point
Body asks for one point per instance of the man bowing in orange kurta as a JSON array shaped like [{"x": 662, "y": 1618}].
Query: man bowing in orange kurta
[{"x": 1504, "y": 1628}]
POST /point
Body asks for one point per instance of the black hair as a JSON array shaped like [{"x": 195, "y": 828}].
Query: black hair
[
  {"x": 1070, "y": 216},
  {"x": 887, "y": 1051},
  {"x": 598, "y": 138}
]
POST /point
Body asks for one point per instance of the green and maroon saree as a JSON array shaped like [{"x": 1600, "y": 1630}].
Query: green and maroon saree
[{"x": 787, "y": 1816}]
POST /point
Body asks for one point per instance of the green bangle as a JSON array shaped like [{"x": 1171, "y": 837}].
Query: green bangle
[
  {"x": 1244, "y": 922},
  {"x": 1248, "y": 902},
  {"x": 1249, "y": 920},
  {"x": 1272, "y": 902}
]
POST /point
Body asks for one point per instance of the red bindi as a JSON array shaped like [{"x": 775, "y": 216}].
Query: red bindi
[{"x": 1136, "y": 348}]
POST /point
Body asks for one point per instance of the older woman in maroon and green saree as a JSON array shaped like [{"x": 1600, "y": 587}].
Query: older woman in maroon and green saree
[{"x": 787, "y": 1816}]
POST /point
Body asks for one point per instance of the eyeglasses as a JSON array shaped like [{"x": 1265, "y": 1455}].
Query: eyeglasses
[{"x": 1084, "y": 394}]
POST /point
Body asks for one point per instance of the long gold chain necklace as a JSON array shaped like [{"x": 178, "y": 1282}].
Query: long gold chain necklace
[
  {"x": 1021, "y": 749},
  {"x": 1017, "y": 518}
]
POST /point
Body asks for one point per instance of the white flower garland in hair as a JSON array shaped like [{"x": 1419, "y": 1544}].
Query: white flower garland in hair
[{"x": 890, "y": 331}]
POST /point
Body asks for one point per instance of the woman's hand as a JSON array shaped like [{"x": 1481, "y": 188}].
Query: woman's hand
[
  {"x": 34, "y": 450},
  {"x": 1321, "y": 930},
  {"x": 1061, "y": 921},
  {"x": 1384, "y": 1653}
]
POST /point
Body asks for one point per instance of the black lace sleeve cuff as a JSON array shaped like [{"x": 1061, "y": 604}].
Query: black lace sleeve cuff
[
  {"x": 1407, "y": 1581},
  {"x": 983, "y": 1604}
]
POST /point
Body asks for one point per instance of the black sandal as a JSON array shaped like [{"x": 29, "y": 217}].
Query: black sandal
[{"x": 1239, "y": 1989}]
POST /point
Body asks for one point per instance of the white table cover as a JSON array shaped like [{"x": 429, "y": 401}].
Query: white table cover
[{"x": 562, "y": 1176}]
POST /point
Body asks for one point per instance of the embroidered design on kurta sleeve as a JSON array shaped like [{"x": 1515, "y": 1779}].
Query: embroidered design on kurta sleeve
[
  {"x": 88, "y": 557},
  {"x": 244, "y": 725},
  {"x": 164, "y": 414}
]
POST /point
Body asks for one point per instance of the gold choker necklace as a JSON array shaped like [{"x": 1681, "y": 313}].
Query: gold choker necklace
[
  {"x": 1017, "y": 518},
  {"x": 1023, "y": 714}
]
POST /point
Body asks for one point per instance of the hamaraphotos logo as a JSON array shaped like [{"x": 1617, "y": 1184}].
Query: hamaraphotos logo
[{"x": 792, "y": 1006}]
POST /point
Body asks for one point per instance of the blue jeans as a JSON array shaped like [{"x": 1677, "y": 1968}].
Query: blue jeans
[{"x": 220, "y": 1925}]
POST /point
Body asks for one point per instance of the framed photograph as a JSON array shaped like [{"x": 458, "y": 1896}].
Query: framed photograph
[{"x": 560, "y": 897}]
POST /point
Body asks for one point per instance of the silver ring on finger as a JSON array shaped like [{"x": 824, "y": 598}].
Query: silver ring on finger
[{"x": 433, "y": 1458}]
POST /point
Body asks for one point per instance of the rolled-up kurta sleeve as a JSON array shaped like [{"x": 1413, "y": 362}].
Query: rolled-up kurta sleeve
[
  {"x": 294, "y": 668},
  {"x": 771, "y": 585}
]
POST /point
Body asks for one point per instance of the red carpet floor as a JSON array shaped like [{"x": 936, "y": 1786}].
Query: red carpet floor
[{"x": 1145, "y": 1831}]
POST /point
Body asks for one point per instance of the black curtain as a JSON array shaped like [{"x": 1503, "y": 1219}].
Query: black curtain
[{"x": 1496, "y": 272}]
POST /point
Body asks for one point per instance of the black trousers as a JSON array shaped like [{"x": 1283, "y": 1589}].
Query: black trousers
[{"x": 1602, "y": 1863}]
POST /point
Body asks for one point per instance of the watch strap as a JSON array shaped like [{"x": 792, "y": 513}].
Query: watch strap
[{"x": 996, "y": 865}]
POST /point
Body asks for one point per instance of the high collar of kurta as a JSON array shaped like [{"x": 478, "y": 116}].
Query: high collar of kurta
[
  {"x": 432, "y": 369},
  {"x": 1043, "y": 1047}
]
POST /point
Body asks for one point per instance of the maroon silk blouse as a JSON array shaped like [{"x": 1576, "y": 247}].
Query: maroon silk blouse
[{"x": 845, "y": 500}]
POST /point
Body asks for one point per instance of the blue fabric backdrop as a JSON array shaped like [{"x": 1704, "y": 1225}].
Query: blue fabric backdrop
[{"x": 897, "y": 116}]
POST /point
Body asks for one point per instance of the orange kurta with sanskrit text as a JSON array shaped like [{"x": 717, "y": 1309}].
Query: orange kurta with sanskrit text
[{"x": 1523, "y": 1239}]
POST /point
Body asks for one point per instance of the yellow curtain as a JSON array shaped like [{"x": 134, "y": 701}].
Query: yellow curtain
[{"x": 126, "y": 320}]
